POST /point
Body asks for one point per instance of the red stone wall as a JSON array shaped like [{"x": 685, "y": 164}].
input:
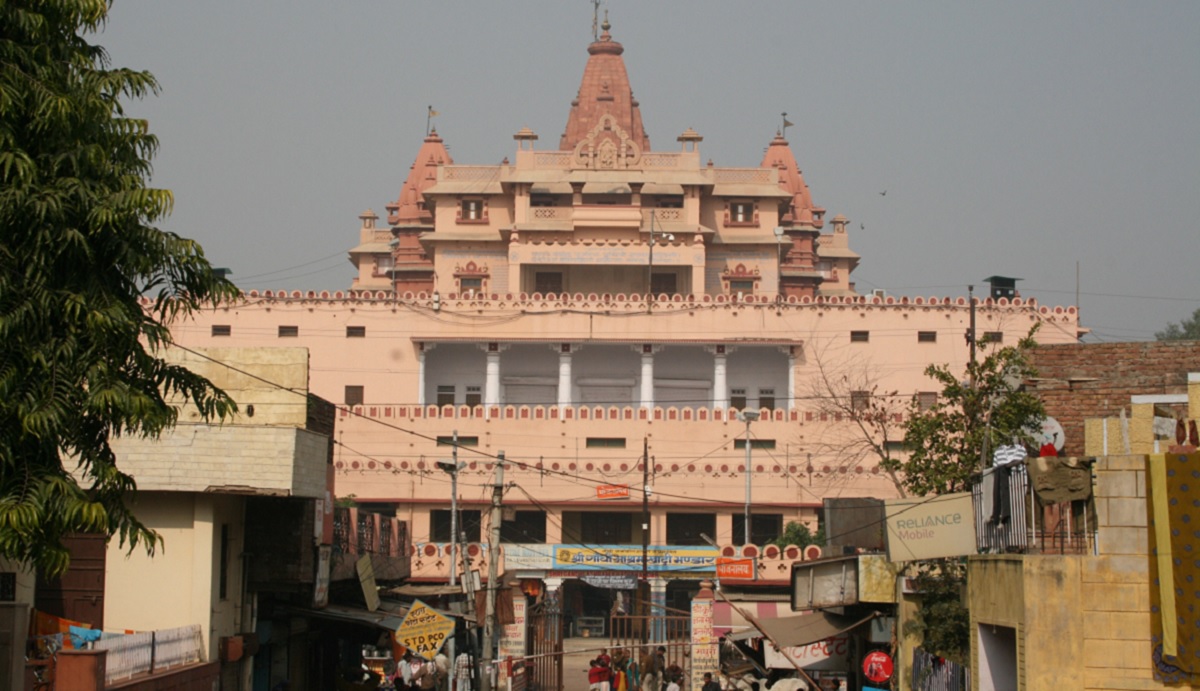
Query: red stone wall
[{"x": 1080, "y": 381}]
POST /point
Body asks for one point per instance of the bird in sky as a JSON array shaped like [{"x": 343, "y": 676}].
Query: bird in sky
[{"x": 883, "y": 193}]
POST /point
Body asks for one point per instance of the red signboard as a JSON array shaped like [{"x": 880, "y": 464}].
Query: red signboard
[
  {"x": 612, "y": 491},
  {"x": 877, "y": 665},
  {"x": 731, "y": 568}
]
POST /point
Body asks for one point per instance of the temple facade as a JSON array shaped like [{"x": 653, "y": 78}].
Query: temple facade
[{"x": 606, "y": 315}]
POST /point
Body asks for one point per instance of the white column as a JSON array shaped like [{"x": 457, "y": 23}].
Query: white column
[
  {"x": 791, "y": 377},
  {"x": 720, "y": 388},
  {"x": 421, "y": 377},
  {"x": 491, "y": 385},
  {"x": 647, "y": 380},
  {"x": 564, "y": 381}
]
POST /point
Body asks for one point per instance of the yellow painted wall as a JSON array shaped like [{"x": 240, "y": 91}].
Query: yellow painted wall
[
  {"x": 1083, "y": 622},
  {"x": 179, "y": 585},
  {"x": 287, "y": 367}
]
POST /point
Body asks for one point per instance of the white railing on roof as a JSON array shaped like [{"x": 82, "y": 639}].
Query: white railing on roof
[{"x": 150, "y": 651}]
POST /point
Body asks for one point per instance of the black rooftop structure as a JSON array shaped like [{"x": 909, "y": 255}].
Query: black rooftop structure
[{"x": 1003, "y": 286}]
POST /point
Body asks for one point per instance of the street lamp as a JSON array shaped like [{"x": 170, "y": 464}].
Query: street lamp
[
  {"x": 667, "y": 237},
  {"x": 452, "y": 467},
  {"x": 747, "y": 416}
]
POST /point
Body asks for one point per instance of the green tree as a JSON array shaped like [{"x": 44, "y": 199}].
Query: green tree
[
  {"x": 942, "y": 622},
  {"x": 976, "y": 412},
  {"x": 1186, "y": 330},
  {"x": 796, "y": 533},
  {"x": 79, "y": 349}
]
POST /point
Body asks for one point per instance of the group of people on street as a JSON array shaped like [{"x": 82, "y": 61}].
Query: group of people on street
[
  {"x": 622, "y": 672},
  {"x": 414, "y": 673}
]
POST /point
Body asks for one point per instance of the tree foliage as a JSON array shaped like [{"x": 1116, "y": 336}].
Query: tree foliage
[
  {"x": 796, "y": 533},
  {"x": 985, "y": 408},
  {"x": 1186, "y": 330},
  {"x": 79, "y": 350},
  {"x": 982, "y": 409},
  {"x": 942, "y": 622},
  {"x": 848, "y": 389}
]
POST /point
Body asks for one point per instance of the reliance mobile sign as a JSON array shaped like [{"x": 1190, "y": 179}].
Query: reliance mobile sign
[{"x": 929, "y": 528}]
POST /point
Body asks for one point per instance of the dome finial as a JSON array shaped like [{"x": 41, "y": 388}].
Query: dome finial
[{"x": 606, "y": 26}]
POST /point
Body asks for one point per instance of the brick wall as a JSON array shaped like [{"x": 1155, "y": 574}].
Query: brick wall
[{"x": 1079, "y": 381}]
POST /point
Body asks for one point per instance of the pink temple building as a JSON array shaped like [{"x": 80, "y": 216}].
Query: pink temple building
[{"x": 576, "y": 304}]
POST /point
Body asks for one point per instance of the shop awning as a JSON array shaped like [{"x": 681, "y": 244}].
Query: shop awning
[
  {"x": 388, "y": 617},
  {"x": 380, "y": 618},
  {"x": 803, "y": 629},
  {"x": 728, "y": 620},
  {"x": 416, "y": 590}
]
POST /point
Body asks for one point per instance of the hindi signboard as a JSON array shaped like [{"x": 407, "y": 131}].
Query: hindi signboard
[
  {"x": 678, "y": 560},
  {"x": 423, "y": 630},
  {"x": 612, "y": 491},
  {"x": 932, "y": 527},
  {"x": 512, "y": 638},
  {"x": 735, "y": 569},
  {"x": 705, "y": 657},
  {"x": 610, "y": 581}
]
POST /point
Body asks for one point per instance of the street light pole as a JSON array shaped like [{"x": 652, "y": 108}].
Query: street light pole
[
  {"x": 747, "y": 416},
  {"x": 650, "y": 268},
  {"x": 452, "y": 467}
]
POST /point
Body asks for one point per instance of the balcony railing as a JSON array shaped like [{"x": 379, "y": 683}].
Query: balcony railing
[
  {"x": 582, "y": 412},
  {"x": 150, "y": 651},
  {"x": 1010, "y": 519},
  {"x": 362, "y": 532}
]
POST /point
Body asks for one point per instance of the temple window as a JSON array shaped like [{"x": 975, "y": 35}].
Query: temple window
[
  {"x": 547, "y": 282},
  {"x": 474, "y": 396},
  {"x": 472, "y": 211},
  {"x": 741, "y": 213}
]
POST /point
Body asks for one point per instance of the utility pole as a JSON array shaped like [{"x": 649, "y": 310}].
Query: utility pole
[
  {"x": 645, "y": 519},
  {"x": 971, "y": 334},
  {"x": 453, "y": 549},
  {"x": 489, "y": 626},
  {"x": 452, "y": 467},
  {"x": 748, "y": 416}
]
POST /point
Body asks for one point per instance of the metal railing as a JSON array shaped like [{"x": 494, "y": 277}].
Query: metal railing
[
  {"x": 150, "y": 651},
  {"x": 931, "y": 673},
  {"x": 1010, "y": 519}
]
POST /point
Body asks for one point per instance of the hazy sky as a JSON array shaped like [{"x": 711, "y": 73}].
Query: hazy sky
[{"x": 1013, "y": 138}]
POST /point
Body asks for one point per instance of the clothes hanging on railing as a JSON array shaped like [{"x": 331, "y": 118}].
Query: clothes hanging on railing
[
  {"x": 1002, "y": 502},
  {"x": 1057, "y": 480}
]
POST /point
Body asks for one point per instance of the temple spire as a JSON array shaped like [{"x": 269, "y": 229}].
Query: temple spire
[
  {"x": 604, "y": 91},
  {"x": 409, "y": 208},
  {"x": 801, "y": 211}
]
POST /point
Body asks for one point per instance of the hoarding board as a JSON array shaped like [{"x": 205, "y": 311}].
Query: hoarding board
[
  {"x": 931, "y": 527},
  {"x": 423, "y": 630}
]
